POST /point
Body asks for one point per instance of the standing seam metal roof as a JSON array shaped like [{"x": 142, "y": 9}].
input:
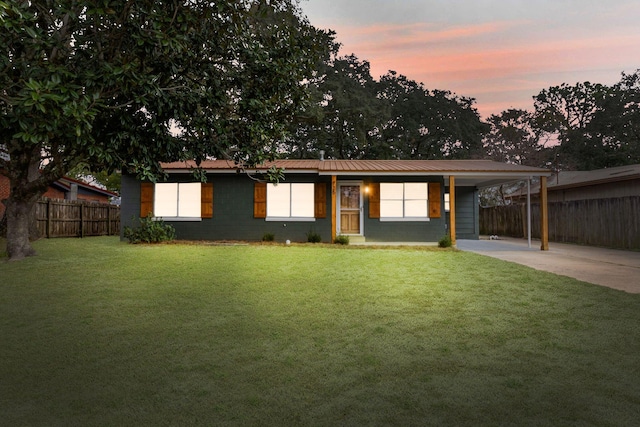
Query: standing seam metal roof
[{"x": 373, "y": 166}]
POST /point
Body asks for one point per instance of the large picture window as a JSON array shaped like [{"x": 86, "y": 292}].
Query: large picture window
[
  {"x": 404, "y": 200},
  {"x": 290, "y": 200},
  {"x": 177, "y": 200}
]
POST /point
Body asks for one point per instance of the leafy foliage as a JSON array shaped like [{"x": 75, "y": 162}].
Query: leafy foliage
[
  {"x": 150, "y": 231},
  {"x": 313, "y": 237},
  {"x": 122, "y": 85},
  {"x": 268, "y": 237},
  {"x": 596, "y": 126},
  {"x": 428, "y": 124},
  {"x": 357, "y": 117},
  {"x": 341, "y": 239},
  {"x": 514, "y": 138},
  {"x": 445, "y": 242}
]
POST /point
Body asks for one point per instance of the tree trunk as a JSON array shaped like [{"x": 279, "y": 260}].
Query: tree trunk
[{"x": 19, "y": 215}]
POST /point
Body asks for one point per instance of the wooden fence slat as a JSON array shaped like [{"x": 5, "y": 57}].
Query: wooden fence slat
[
  {"x": 63, "y": 218},
  {"x": 613, "y": 222}
]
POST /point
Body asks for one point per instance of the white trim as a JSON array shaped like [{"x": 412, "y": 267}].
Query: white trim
[
  {"x": 177, "y": 219},
  {"x": 414, "y": 219},
  {"x": 289, "y": 219}
]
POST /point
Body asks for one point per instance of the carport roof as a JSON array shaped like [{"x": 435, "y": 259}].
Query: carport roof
[{"x": 479, "y": 173}]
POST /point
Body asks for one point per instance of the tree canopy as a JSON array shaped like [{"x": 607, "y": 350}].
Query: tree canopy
[
  {"x": 358, "y": 117},
  {"x": 125, "y": 84}
]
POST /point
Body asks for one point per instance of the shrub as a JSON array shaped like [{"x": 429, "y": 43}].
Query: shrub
[
  {"x": 341, "y": 240},
  {"x": 313, "y": 237},
  {"x": 268, "y": 237},
  {"x": 150, "y": 231},
  {"x": 445, "y": 242}
]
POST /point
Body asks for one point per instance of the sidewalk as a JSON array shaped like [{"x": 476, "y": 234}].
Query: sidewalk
[{"x": 606, "y": 267}]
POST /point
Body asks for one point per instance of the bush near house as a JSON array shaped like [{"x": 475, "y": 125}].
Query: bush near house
[{"x": 150, "y": 231}]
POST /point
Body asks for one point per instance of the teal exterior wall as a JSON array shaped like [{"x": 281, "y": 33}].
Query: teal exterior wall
[
  {"x": 467, "y": 213},
  {"x": 233, "y": 213},
  {"x": 376, "y": 230}
]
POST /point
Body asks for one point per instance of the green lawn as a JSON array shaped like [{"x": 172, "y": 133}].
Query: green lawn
[{"x": 97, "y": 332}]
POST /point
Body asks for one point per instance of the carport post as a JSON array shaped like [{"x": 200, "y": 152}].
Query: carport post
[
  {"x": 334, "y": 214},
  {"x": 544, "y": 215},
  {"x": 529, "y": 211},
  {"x": 452, "y": 209}
]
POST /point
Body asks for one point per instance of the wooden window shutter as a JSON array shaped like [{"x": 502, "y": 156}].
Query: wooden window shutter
[
  {"x": 320, "y": 200},
  {"x": 434, "y": 200},
  {"x": 146, "y": 199},
  {"x": 260, "y": 200},
  {"x": 206, "y": 200},
  {"x": 374, "y": 200}
]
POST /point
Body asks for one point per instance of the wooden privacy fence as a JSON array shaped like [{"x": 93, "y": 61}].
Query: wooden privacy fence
[
  {"x": 613, "y": 223},
  {"x": 63, "y": 218}
]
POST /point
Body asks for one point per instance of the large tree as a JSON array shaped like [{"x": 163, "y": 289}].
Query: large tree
[
  {"x": 428, "y": 124},
  {"x": 513, "y": 138},
  {"x": 125, "y": 84},
  {"x": 596, "y": 125},
  {"x": 358, "y": 117},
  {"x": 345, "y": 114},
  {"x": 615, "y": 126},
  {"x": 565, "y": 112}
]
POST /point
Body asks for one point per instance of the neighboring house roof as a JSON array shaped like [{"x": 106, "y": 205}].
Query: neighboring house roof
[
  {"x": 573, "y": 179},
  {"x": 65, "y": 183},
  {"x": 570, "y": 179},
  {"x": 481, "y": 173}
]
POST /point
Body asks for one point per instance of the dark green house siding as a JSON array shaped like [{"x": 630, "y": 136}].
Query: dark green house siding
[
  {"x": 467, "y": 213},
  {"x": 233, "y": 212},
  {"x": 401, "y": 231}
]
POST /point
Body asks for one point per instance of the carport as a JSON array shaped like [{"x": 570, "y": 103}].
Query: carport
[{"x": 492, "y": 178}]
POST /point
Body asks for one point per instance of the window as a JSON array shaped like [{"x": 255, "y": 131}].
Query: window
[
  {"x": 177, "y": 200},
  {"x": 404, "y": 200},
  {"x": 290, "y": 201},
  {"x": 446, "y": 202}
]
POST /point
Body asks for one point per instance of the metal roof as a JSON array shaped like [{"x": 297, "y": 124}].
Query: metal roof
[{"x": 479, "y": 173}]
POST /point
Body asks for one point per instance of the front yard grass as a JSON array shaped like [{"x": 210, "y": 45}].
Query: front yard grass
[{"x": 98, "y": 332}]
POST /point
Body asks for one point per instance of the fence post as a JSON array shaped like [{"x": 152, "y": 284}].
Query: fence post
[
  {"x": 544, "y": 215},
  {"x": 48, "y": 223},
  {"x": 81, "y": 219}
]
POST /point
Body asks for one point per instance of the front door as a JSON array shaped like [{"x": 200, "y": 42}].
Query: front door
[{"x": 350, "y": 209}]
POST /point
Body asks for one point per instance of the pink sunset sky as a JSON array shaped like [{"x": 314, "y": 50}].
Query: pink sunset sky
[{"x": 500, "y": 52}]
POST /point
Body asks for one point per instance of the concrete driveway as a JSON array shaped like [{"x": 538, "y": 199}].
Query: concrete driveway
[{"x": 606, "y": 267}]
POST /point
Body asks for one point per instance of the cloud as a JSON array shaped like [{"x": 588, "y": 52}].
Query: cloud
[
  {"x": 417, "y": 36},
  {"x": 494, "y": 61}
]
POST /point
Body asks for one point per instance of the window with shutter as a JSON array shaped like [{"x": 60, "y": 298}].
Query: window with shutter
[
  {"x": 404, "y": 201},
  {"x": 183, "y": 201},
  {"x": 290, "y": 201}
]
